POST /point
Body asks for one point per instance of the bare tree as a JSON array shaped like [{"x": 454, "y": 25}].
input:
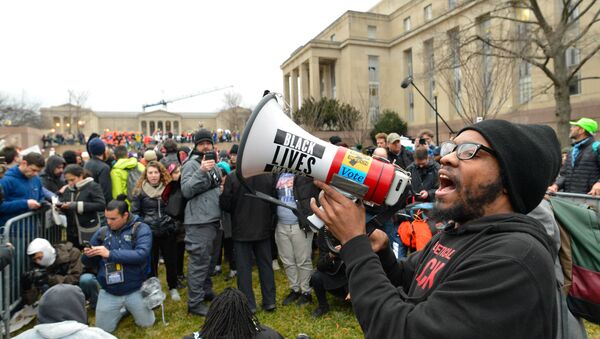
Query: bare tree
[
  {"x": 77, "y": 101},
  {"x": 477, "y": 84},
  {"x": 233, "y": 114},
  {"x": 19, "y": 112},
  {"x": 556, "y": 41}
]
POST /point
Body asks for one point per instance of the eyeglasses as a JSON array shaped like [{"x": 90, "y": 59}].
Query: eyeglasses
[{"x": 464, "y": 151}]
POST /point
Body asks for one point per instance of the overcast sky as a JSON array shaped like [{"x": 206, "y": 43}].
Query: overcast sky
[{"x": 129, "y": 53}]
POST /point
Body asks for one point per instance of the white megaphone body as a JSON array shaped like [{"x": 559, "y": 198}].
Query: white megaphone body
[{"x": 273, "y": 143}]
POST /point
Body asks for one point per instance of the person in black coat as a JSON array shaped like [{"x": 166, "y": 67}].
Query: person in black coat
[
  {"x": 52, "y": 174},
  {"x": 98, "y": 168},
  {"x": 81, "y": 202},
  {"x": 149, "y": 205},
  {"x": 176, "y": 209},
  {"x": 424, "y": 175},
  {"x": 252, "y": 226},
  {"x": 330, "y": 276}
]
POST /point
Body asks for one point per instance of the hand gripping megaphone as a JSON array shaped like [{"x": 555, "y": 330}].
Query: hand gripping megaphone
[{"x": 273, "y": 143}]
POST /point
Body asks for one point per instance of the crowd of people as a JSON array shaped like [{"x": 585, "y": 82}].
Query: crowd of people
[{"x": 126, "y": 213}]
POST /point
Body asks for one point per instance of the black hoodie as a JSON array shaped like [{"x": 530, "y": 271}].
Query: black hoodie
[
  {"x": 49, "y": 180},
  {"x": 489, "y": 278}
]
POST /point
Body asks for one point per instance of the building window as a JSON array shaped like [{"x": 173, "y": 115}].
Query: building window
[
  {"x": 486, "y": 61},
  {"x": 430, "y": 73},
  {"x": 573, "y": 59},
  {"x": 428, "y": 12},
  {"x": 371, "y": 32},
  {"x": 373, "y": 67},
  {"x": 456, "y": 73},
  {"x": 407, "y": 25},
  {"x": 332, "y": 38},
  {"x": 452, "y": 4},
  {"x": 524, "y": 82},
  {"x": 410, "y": 100}
]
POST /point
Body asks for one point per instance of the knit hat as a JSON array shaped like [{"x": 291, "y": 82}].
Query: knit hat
[
  {"x": 529, "y": 158},
  {"x": 150, "y": 155},
  {"x": 62, "y": 302},
  {"x": 234, "y": 149},
  {"x": 335, "y": 139},
  {"x": 589, "y": 125},
  {"x": 203, "y": 135},
  {"x": 96, "y": 147}
]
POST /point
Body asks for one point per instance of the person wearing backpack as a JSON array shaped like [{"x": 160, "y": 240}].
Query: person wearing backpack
[
  {"x": 148, "y": 204},
  {"x": 120, "y": 253},
  {"x": 125, "y": 173}
]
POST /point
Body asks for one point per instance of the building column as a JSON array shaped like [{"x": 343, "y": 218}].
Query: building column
[
  {"x": 304, "y": 83},
  {"x": 294, "y": 96},
  {"x": 315, "y": 78},
  {"x": 62, "y": 126},
  {"x": 327, "y": 80},
  {"x": 286, "y": 88},
  {"x": 337, "y": 79}
]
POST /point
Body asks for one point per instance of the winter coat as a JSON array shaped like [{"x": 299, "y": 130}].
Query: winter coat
[
  {"x": 89, "y": 200},
  {"x": 425, "y": 179},
  {"x": 119, "y": 173},
  {"x": 133, "y": 259},
  {"x": 586, "y": 172},
  {"x": 68, "y": 329},
  {"x": 402, "y": 159},
  {"x": 49, "y": 180},
  {"x": 149, "y": 209},
  {"x": 17, "y": 190},
  {"x": 202, "y": 190},
  {"x": 251, "y": 218},
  {"x": 492, "y": 277},
  {"x": 101, "y": 174},
  {"x": 66, "y": 269}
]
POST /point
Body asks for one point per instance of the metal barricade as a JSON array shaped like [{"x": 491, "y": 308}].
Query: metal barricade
[
  {"x": 20, "y": 231},
  {"x": 590, "y": 200}
]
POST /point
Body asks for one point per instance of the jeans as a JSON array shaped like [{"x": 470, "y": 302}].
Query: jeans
[
  {"x": 295, "y": 247},
  {"x": 108, "y": 310},
  {"x": 89, "y": 286},
  {"x": 198, "y": 243},
  {"x": 262, "y": 253}
]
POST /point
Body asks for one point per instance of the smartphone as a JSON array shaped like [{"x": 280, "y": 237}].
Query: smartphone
[
  {"x": 87, "y": 244},
  {"x": 210, "y": 155}
]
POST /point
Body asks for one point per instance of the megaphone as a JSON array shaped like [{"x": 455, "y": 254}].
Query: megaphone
[{"x": 273, "y": 143}]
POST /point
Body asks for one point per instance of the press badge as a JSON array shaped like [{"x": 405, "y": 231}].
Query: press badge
[{"x": 114, "y": 273}]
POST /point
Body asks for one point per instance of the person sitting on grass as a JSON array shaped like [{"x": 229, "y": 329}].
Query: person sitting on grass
[{"x": 229, "y": 316}]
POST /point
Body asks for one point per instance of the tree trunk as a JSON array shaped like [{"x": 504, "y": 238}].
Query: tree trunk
[{"x": 562, "y": 98}]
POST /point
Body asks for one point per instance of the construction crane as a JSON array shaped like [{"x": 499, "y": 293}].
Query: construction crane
[{"x": 165, "y": 102}]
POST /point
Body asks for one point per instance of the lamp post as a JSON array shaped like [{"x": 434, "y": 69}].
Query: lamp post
[
  {"x": 437, "y": 130},
  {"x": 409, "y": 81}
]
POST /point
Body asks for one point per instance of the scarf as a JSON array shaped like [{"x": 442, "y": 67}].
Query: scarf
[{"x": 153, "y": 191}]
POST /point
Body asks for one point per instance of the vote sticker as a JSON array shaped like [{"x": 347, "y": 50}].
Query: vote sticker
[{"x": 355, "y": 166}]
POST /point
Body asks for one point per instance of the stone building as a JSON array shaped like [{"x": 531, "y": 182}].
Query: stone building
[
  {"x": 362, "y": 59},
  {"x": 68, "y": 118}
]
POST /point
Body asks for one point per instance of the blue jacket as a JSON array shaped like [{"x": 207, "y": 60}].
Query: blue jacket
[
  {"x": 17, "y": 190},
  {"x": 133, "y": 260}
]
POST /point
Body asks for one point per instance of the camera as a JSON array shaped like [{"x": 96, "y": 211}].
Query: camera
[
  {"x": 36, "y": 277},
  {"x": 422, "y": 141}
]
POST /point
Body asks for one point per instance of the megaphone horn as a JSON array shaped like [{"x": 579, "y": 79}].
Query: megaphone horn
[{"x": 273, "y": 143}]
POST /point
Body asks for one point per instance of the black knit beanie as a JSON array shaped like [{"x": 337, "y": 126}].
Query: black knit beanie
[
  {"x": 529, "y": 158},
  {"x": 203, "y": 135}
]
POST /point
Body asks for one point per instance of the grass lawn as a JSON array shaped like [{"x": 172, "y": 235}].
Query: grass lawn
[{"x": 288, "y": 320}]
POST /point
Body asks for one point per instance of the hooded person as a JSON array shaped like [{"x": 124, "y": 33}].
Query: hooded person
[
  {"x": 121, "y": 170},
  {"x": 170, "y": 157},
  {"x": 52, "y": 175},
  {"x": 488, "y": 258},
  {"x": 61, "y": 263},
  {"x": 61, "y": 314},
  {"x": 99, "y": 169}
]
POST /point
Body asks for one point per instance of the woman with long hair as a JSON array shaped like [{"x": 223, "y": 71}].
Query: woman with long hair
[
  {"x": 176, "y": 209},
  {"x": 81, "y": 202},
  {"x": 230, "y": 317},
  {"x": 149, "y": 205}
]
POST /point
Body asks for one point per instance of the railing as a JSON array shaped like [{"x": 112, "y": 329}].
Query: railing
[
  {"x": 590, "y": 200},
  {"x": 20, "y": 231}
]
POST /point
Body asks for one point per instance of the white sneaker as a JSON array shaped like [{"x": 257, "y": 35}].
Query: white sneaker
[
  {"x": 275, "y": 265},
  {"x": 175, "y": 295}
]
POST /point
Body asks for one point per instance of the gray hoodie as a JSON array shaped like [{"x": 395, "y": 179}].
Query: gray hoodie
[
  {"x": 69, "y": 329},
  {"x": 202, "y": 193}
]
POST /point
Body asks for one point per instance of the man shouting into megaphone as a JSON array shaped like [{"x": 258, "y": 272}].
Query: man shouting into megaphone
[{"x": 489, "y": 273}]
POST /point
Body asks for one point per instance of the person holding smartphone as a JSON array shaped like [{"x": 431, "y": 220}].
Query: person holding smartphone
[{"x": 200, "y": 184}]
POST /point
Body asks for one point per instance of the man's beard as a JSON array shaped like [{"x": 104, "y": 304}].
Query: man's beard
[{"x": 472, "y": 206}]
